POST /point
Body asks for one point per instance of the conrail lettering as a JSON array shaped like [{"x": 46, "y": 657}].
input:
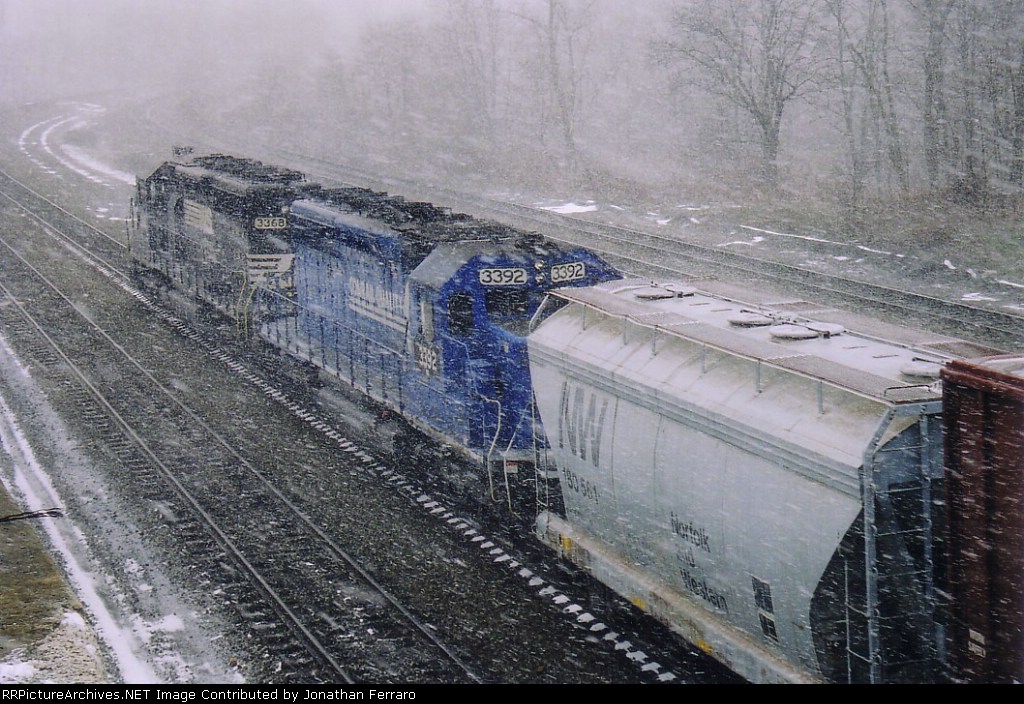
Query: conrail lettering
[
  {"x": 375, "y": 300},
  {"x": 581, "y": 423},
  {"x": 376, "y": 295}
]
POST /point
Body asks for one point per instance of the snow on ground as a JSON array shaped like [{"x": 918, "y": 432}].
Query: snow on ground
[
  {"x": 135, "y": 616},
  {"x": 93, "y": 165},
  {"x": 25, "y": 477},
  {"x": 72, "y": 158},
  {"x": 761, "y": 238},
  {"x": 881, "y": 256},
  {"x": 69, "y": 655},
  {"x": 571, "y": 208}
]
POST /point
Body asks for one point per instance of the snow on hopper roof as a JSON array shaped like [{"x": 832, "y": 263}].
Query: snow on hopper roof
[{"x": 820, "y": 348}]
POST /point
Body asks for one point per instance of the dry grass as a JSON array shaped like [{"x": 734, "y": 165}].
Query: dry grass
[{"x": 35, "y": 595}]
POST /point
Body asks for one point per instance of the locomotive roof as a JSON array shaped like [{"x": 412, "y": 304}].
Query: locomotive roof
[
  {"x": 446, "y": 258},
  {"x": 237, "y": 175},
  {"x": 880, "y": 361},
  {"x": 382, "y": 213}
]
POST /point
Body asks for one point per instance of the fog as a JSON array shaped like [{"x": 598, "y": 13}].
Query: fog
[
  {"x": 52, "y": 45},
  {"x": 872, "y": 105}
]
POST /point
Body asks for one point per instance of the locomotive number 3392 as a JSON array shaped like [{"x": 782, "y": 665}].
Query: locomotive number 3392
[
  {"x": 573, "y": 271},
  {"x": 502, "y": 277}
]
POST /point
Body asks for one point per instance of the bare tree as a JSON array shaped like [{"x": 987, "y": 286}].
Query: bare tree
[
  {"x": 989, "y": 137},
  {"x": 934, "y": 16},
  {"x": 862, "y": 56},
  {"x": 563, "y": 30},
  {"x": 756, "y": 54},
  {"x": 972, "y": 89},
  {"x": 1009, "y": 53},
  {"x": 476, "y": 32},
  {"x": 848, "y": 91}
]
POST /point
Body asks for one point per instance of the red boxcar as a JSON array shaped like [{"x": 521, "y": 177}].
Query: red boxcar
[{"x": 983, "y": 419}]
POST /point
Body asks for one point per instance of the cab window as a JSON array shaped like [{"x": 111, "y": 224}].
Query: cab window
[
  {"x": 426, "y": 321},
  {"x": 507, "y": 302},
  {"x": 460, "y": 314}
]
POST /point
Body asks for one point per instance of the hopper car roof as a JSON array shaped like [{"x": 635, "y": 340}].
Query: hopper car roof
[{"x": 883, "y": 362}]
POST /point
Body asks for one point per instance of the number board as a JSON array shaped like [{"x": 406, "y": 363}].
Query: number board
[
  {"x": 573, "y": 271},
  {"x": 271, "y": 223},
  {"x": 428, "y": 358},
  {"x": 503, "y": 277}
]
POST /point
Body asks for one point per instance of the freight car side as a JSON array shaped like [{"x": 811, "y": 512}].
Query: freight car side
[
  {"x": 983, "y": 417},
  {"x": 762, "y": 482}
]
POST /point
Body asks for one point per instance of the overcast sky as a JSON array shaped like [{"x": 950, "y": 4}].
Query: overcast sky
[
  {"x": 102, "y": 25},
  {"x": 52, "y": 43}
]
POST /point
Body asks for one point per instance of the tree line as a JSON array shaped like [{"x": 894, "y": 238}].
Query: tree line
[
  {"x": 854, "y": 102},
  {"x": 856, "y": 99}
]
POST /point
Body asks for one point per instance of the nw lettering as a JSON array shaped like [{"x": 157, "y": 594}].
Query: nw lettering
[{"x": 581, "y": 423}]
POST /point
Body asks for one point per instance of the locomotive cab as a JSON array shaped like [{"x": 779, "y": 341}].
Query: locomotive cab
[
  {"x": 214, "y": 227},
  {"x": 473, "y": 303},
  {"x": 471, "y": 312}
]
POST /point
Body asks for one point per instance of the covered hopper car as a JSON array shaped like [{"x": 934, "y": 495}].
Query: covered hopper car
[{"x": 758, "y": 476}]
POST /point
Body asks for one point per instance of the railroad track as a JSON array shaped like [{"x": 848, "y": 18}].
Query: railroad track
[
  {"x": 320, "y": 639},
  {"x": 224, "y": 508}
]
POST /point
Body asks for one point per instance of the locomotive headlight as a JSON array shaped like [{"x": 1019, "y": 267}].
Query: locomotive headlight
[
  {"x": 539, "y": 265},
  {"x": 540, "y": 278}
]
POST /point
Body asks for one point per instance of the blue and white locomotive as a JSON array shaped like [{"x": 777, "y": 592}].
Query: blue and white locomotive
[{"x": 424, "y": 311}]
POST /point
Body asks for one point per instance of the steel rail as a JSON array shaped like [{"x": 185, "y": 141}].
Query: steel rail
[{"x": 338, "y": 552}]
